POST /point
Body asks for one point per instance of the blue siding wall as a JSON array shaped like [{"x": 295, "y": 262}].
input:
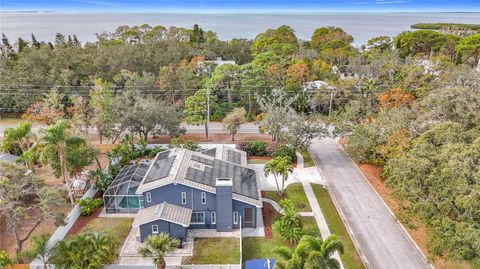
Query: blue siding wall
[
  {"x": 239, "y": 207},
  {"x": 173, "y": 229},
  {"x": 172, "y": 194},
  {"x": 224, "y": 209}
]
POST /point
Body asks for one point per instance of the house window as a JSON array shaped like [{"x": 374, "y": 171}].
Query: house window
[
  {"x": 149, "y": 197},
  {"x": 184, "y": 198},
  {"x": 198, "y": 218},
  {"x": 235, "y": 217},
  {"x": 154, "y": 229},
  {"x": 203, "y": 197},
  {"x": 213, "y": 217}
]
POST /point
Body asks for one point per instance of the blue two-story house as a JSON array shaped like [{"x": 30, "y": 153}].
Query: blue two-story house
[{"x": 183, "y": 190}]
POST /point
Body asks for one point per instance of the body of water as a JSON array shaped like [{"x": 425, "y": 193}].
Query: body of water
[{"x": 362, "y": 26}]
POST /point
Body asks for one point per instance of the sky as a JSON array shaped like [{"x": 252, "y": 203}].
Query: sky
[{"x": 241, "y": 5}]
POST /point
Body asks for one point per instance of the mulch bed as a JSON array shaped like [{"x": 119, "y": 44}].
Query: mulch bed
[
  {"x": 82, "y": 221},
  {"x": 268, "y": 212}
]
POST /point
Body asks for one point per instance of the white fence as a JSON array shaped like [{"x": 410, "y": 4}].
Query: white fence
[{"x": 62, "y": 231}]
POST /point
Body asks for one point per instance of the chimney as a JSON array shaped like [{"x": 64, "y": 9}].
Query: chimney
[{"x": 224, "y": 206}]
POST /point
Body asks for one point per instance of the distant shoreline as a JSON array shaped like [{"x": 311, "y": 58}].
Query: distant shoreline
[{"x": 231, "y": 12}]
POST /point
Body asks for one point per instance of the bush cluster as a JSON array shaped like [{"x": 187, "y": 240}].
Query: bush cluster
[
  {"x": 88, "y": 205},
  {"x": 266, "y": 149}
]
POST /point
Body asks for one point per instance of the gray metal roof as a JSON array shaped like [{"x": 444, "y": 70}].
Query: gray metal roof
[
  {"x": 160, "y": 167},
  {"x": 164, "y": 211},
  {"x": 201, "y": 171},
  {"x": 244, "y": 179},
  {"x": 210, "y": 152},
  {"x": 234, "y": 157}
]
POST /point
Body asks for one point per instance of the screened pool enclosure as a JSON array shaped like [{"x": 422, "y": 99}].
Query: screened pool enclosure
[{"x": 120, "y": 196}]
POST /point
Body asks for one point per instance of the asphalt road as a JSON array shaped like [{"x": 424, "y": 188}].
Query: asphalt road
[
  {"x": 380, "y": 238},
  {"x": 214, "y": 128}
]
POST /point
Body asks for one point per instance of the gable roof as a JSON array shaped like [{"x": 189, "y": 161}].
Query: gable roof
[
  {"x": 164, "y": 211},
  {"x": 198, "y": 170}
]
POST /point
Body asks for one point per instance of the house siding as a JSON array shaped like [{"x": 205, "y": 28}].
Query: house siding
[
  {"x": 224, "y": 209},
  {"x": 173, "y": 194},
  {"x": 173, "y": 229}
]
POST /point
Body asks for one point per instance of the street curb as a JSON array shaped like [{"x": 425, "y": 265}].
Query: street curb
[
  {"x": 342, "y": 216},
  {"x": 388, "y": 208}
]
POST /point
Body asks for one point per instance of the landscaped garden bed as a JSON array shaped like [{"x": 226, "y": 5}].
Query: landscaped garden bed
[
  {"x": 218, "y": 250},
  {"x": 350, "y": 258},
  {"x": 295, "y": 193}
]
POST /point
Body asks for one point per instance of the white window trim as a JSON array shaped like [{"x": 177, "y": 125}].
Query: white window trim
[
  {"x": 203, "y": 213},
  {"x": 213, "y": 217},
  {"x": 203, "y": 197},
  {"x": 149, "y": 197},
  {"x": 235, "y": 217},
  {"x": 153, "y": 230},
  {"x": 184, "y": 198}
]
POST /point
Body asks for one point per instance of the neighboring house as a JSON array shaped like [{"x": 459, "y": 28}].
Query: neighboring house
[
  {"x": 182, "y": 189},
  {"x": 7, "y": 157},
  {"x": 315, "y": 85},
  {"x": 206, "y": 67}
]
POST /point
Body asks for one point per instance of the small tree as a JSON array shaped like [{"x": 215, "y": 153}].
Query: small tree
[
  {"x": 278, "y": 112},
  {"x": 40, "y": 249},
  {"x": 184, "y": 144},
  {"x": 17, "y": 140},
  {"x": 157, "y": 245},
  {"x": 290, "y": 225},
  {"x": 196, "y": 108},
  {"x": 279, "y": 166},
  {"x": 234, "y": 120},
  {"x": 22, "y": 194}
]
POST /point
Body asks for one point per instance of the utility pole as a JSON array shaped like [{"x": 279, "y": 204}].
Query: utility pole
[
  {"x": 207, "y": 117},
  {"x": 331, "y": 100}
]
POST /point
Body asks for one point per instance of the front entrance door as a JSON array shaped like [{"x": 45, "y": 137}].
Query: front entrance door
[{"x": 248, "y": 218}]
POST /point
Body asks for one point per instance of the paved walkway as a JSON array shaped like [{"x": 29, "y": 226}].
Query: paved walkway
[
  {"x": 380, "y": 238},
  {"x": 317, "y": 213}
]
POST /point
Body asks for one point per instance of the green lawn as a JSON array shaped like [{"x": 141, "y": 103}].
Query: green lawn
[
  {"x": 118, "y": 228},
  {"x": 310, "y": 226},
  {"x": 307, "y": 159},
  {"x": 260, "y": 247},
  {"x": 351, "y": 259},
  {"x": 215, "y": 251},
  {"x": 293, "y": 192}
]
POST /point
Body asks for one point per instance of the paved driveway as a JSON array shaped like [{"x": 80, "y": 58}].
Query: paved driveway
[{"x": 381, "y": 240}]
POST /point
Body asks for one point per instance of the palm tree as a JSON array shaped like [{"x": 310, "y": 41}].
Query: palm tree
[
  {"x": 52, "y": 147},
  {"x": 86, "y": 250},
  {"x": 279, "y": 166},
  {"x": 157, "y": 245},
  {"x": 288, "y": 258},
  {"x": 319, "y": 253},
  {"x": 29, "y": 157}
]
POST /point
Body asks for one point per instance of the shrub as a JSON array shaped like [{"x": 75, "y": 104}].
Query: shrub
[
  {"x": 290, "y": 225},
  {"x": 4, "y": 260},
  {"x": 284, "y": 150},
  {"x": 88, "y": 205},
  {"x": 103, "y": 182},
  {"x": 184, "y": 144},
  {"x": 254, "y": 148}
]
